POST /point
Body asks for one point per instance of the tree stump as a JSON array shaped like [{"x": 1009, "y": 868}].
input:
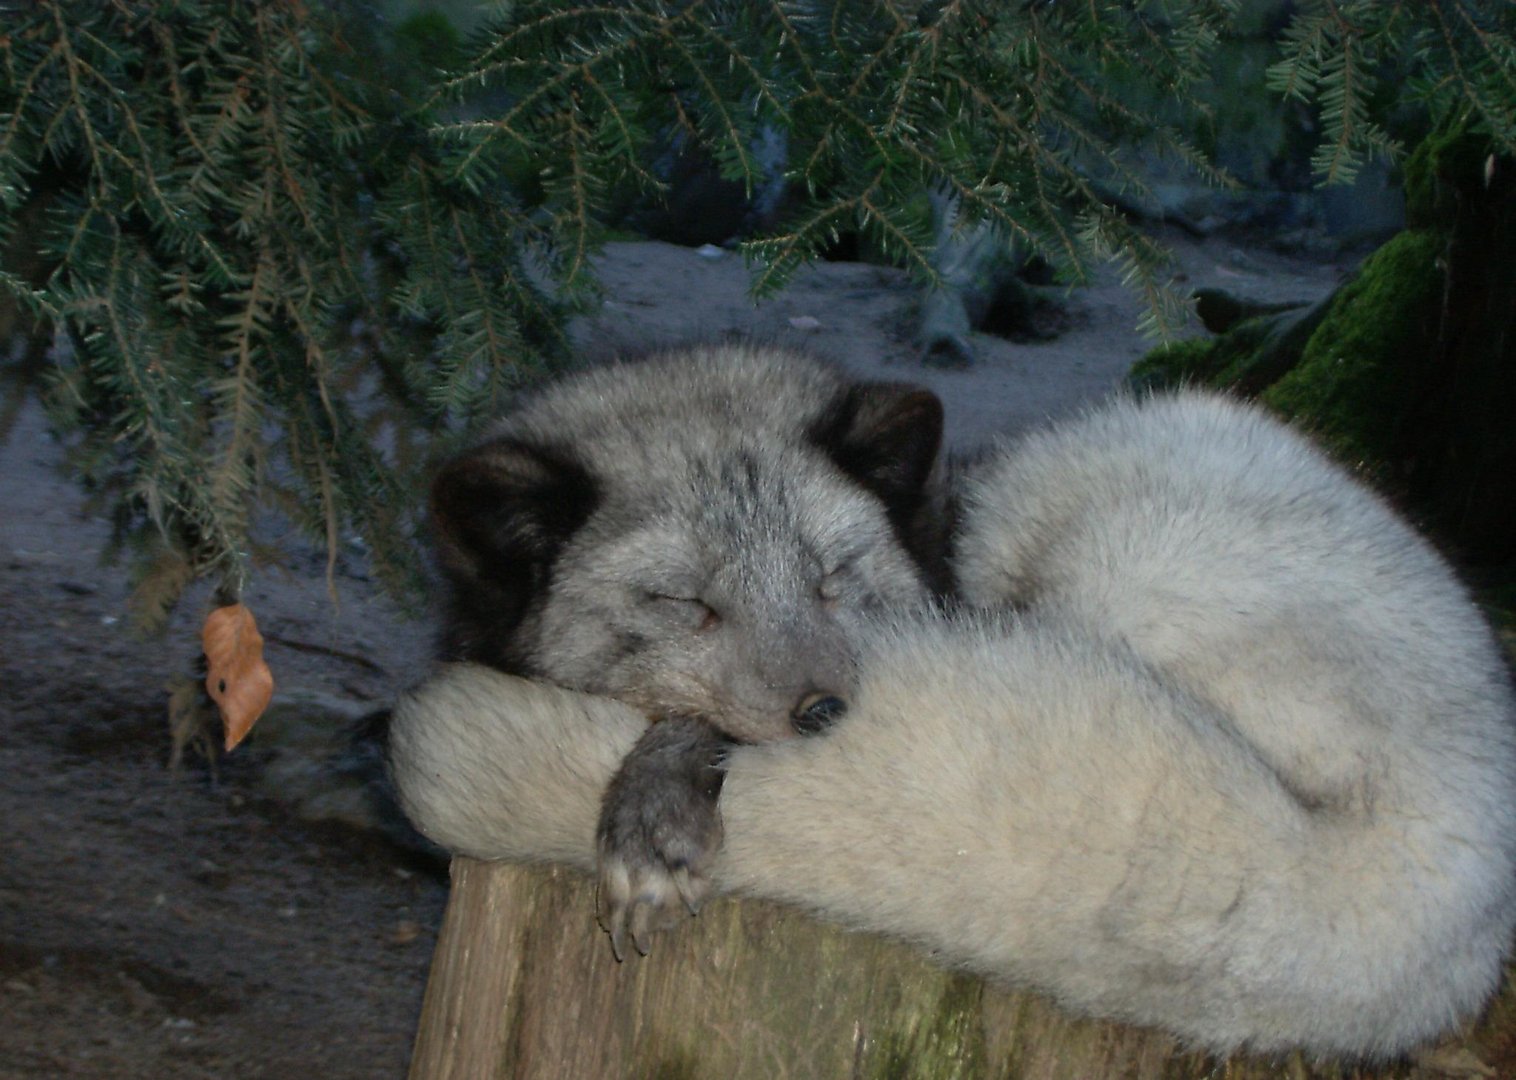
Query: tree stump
[{"x": 523, "y": 985}]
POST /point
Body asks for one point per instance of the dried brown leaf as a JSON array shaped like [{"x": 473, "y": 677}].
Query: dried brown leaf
[{"x": 237, "y": 678}]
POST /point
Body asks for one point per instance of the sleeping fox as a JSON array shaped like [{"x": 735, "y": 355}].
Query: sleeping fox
[
  {"x": 705, "y": 536},
  {"x": 1209, "y": 739}
]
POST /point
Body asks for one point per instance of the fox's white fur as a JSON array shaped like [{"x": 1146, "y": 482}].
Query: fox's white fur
[{"x": 1221, "y": 746}]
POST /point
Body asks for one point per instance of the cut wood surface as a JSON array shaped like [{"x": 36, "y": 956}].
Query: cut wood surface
[{"x": 523, "y": 985}]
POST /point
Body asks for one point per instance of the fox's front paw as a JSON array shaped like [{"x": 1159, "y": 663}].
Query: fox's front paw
[
  {"x": 659, "y": 829},
  {"x": 650, "y": 872}
]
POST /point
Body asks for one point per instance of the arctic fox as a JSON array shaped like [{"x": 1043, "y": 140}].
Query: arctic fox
[
  {"x": 703, "y": 535},
  {"x": 1215, "y": 743}
]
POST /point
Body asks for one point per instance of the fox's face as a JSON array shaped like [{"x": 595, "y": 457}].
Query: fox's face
[
  {"x": 736, "y": 594},
  {"x": 708, "y": 557}
]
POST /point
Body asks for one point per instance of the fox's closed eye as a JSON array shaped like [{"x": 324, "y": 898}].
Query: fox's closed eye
[
  {"x": 691, "y": 609},
  {"x": 835, "y": 581}
]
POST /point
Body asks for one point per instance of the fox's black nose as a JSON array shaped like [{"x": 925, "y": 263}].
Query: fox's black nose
[{"x": 817, "y": 712}]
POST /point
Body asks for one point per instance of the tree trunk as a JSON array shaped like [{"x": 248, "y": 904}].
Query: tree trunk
[
  {"x": 1466, "y": 445},
  {"x": 523, "y": 985}
]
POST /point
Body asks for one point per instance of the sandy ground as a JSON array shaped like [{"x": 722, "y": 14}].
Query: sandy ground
[{"x": 198, "y": 923}]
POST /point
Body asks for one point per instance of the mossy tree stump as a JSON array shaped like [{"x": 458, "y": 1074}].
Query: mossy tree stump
[{"x": 523, "y": 985}]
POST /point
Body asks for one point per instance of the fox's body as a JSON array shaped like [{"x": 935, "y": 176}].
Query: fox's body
[{"x": 1216, "y": 743}]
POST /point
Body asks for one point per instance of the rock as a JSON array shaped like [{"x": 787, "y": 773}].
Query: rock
[{"x": 1220, "y": 310}]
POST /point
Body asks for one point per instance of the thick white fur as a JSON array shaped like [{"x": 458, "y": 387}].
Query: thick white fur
[{"x": 1225, "y": 748}]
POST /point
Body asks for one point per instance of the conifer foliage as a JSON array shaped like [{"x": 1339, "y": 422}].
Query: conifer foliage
[
  {"x": 269, "y": 261},
  {"x": 1012, "y": 108},
  {"x": 255, "y": 271},
  {"x": 1457, "y": 57}
]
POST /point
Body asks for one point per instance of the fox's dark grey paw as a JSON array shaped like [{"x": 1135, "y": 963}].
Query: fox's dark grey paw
[
  {"x": 638, "y": 898},
  {"x": 653, "y": 866},
  {"x": 659, "y": 829}
]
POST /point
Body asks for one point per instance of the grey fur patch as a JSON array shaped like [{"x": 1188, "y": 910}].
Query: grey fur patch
[{"x": 702, "y": 532}]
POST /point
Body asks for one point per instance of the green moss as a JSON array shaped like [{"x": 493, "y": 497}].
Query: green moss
[
  {"x": 1442, "y": 164},
  {"x": 944, "y": 1044},
  {"x": 1241, "y": 348},
  {"x": 1217, "y": 362},
  {"x": 1175, "y": 363},
  {"x": 1354, "y": 383}
]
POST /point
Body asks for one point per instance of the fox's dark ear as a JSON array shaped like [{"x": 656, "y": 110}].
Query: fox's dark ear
[
  {"x": 887, "y": 437},
  {"x": 502, "y": 511}
]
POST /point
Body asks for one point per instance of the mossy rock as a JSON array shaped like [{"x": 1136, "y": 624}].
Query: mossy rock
[
  {"x": 1215, "y": 362},
  {"x": 1248, "y": 357},
  {"x": 1356, "y": 381},
  {"x": 1346, "y": 369},
  {"x": 1176, "y": 363}
]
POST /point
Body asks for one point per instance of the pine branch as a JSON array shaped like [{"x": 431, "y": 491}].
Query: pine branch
[
  {"x": 212, "y": 177},
  {"x": 276, "y": 283},
  {"x": 1486, "y": 78},
  {"x": 855, "y": 87}
]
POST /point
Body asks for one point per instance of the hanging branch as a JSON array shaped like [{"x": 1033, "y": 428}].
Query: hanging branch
[
  {"x": 229, "y": 194},
  {"x": 282, "y": 260}
]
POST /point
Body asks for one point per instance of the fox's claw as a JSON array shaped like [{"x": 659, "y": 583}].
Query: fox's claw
[
  {"x": 659, "y": 828},
  {"x": 690, "y": 891},
  {"x": 636, "y": 901}
]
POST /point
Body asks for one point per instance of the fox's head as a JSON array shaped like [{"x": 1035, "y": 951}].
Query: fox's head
[{"x": 704, "y": 533}]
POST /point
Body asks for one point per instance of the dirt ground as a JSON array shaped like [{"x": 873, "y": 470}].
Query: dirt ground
[{"x": 198, "y": 922}]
